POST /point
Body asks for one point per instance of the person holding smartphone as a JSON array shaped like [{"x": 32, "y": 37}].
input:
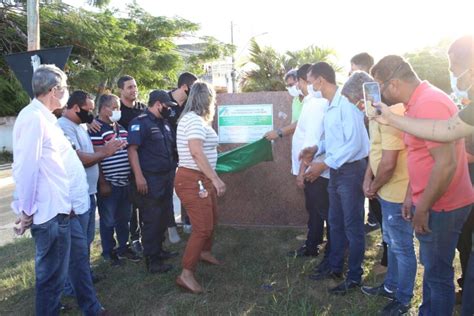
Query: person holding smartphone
[{"x": 440, "y": 187}]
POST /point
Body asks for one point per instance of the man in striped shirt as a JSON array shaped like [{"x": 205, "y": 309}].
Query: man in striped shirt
[{"x": 112, "y": 200}]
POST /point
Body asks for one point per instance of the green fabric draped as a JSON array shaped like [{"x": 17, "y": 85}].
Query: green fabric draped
[{"x": 244, "y": 157}]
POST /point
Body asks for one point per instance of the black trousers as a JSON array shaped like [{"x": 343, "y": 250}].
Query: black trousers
[
  {"x": 134, "y": 224},
  {"x": 154, "y": 211},
  {"x": 464, "y": 245},
  {"x": 317, "y": 205}
]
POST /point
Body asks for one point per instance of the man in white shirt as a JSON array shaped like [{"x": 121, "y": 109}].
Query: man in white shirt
[
  {"x": 50, "y": 186},
  {"x": 308, "y": 132}
]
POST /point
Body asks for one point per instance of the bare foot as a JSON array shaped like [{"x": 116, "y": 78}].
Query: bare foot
[
  {"x": 206, "y": 256},
  {"x": 187, "y": 281}
]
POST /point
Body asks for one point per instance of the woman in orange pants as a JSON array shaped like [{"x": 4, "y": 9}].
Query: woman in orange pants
[{"x": 196, "y": 183}]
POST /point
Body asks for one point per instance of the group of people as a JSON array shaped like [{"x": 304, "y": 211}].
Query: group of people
[
  {"x": 410, "y": 161},
  {"x": 123, "y": 162},
  {"x": 412, "y": 166}
]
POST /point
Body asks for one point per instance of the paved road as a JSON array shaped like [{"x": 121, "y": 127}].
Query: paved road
[{"x": 7, "y": 217}]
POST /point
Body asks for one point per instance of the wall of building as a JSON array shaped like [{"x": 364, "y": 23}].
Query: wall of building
[{"x": 6, "y": 130}]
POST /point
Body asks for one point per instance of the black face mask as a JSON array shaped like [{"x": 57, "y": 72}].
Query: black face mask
[
  {"x": 165, "y": 113},
  {"x": 188, "y": 91},
  {"x": 85, "y": 116}
]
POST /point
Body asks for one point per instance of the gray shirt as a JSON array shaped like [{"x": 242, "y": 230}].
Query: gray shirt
[{"x": 81, "y": 140}]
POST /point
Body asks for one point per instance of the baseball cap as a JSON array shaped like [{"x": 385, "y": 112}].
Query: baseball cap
[{"x": 160, "y": 95}]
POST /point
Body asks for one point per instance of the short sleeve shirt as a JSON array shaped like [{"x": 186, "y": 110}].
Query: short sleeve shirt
[
  {"x": 155, "y": 140},
  {"x": 129, "y": 113},
  {"x": 81, "y": 140},
  {"x": 428, "y": 102},
  {"x": 192, "y": 126},
  {"x": 116, "y": 168},
  {"x": 384, "y": 137},
  {"x": 296, "y": 108}
]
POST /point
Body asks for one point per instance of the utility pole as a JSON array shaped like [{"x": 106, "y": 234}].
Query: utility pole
[
  {"x": 233, "y": 73},
  {"x": 32, "y": 11}
]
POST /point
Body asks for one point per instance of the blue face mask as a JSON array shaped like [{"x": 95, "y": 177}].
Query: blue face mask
[{"x": 461, "y": 94}]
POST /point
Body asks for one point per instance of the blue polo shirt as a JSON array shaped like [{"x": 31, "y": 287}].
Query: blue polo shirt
[{"x": 156, "y": 142}]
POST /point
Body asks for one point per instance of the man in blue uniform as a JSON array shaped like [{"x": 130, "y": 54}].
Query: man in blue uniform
[{"x": 151, "y": 153}]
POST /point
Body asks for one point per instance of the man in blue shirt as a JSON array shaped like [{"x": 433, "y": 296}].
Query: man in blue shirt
[
  {"x": 151, "y": 153},
  {"x": 346, "y": 146}
]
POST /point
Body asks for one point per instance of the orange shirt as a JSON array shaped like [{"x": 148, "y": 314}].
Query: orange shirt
[{"x": 429, "y": 102}]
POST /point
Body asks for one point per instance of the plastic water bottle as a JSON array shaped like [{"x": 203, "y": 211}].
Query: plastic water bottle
[{"x": 202, "y": 190}]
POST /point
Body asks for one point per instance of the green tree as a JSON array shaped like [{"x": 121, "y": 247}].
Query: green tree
[
  {"x": 431, "y": 63},
  {"x": 106, "y": 47},
  {"x": 268, "y": 67}
]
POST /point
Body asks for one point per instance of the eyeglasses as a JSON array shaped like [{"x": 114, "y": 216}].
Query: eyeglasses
[{"x": 384, "y": 84}]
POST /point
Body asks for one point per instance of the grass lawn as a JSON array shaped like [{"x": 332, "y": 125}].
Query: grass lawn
[{"x": 256, "y": 279}]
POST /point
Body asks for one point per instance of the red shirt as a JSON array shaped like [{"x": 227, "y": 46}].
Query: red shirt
[{"x": 429, "y": 102}]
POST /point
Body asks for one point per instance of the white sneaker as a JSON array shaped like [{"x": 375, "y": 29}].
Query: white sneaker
[
  {"x": 187, "y": 229},
  {"x": 173, "y": 235}
]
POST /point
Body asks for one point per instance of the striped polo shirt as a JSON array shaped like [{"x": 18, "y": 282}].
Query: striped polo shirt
[
  {"x": 116, "y": 168},
  {"x": 192, "y": 126}
]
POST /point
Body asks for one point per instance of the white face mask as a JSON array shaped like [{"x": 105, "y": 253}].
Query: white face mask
[
  {"x": 461, "y": 94},
  {"x": 313, "y": 93},
  {"x": 63, "y": 100},
  {"x": 293, "y": 91},
  {"x": 116, "y": 115}
]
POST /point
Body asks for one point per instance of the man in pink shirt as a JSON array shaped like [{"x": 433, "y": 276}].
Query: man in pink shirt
[{"x": 440, "y": 189}]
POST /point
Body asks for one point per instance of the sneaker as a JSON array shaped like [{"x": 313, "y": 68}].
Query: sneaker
[
  {"x": 187, "y": 228},
  {"x": 137, "y": 247},
  {"x": 129, "y": 255},
  {"x": 112, "y": 259},
  {"x": 173, "y": 235},
  {"x": 322, "y": 266},
  {"x": 394, "y": 308},
  {"x": 380, "y": 290},
  {"x": 304, "y": 252},
  {"x": 325, "y": 275},
  {"x": 344, "y": 287}
]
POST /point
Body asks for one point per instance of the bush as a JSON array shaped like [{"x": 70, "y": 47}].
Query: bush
[{"x": 12, "y": 97}]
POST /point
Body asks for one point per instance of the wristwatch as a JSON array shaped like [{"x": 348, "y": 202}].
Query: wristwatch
[{"x": 280, "y": 133}]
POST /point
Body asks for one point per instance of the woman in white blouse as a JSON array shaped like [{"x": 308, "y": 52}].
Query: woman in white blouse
[{"x": 197, "y": 183}]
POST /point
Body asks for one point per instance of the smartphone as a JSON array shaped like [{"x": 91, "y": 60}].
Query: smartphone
[{"x": 371, "y": 97}]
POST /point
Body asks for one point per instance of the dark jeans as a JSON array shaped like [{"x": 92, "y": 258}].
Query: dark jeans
[
  {"x": 317, "y": 205},
  {"x": 61, "y": 248},
  {"x": 375, "y": 210},
  {"x": 437, "y": 250},
  {"x": 114, "y": 211},
  {"x": 346, "y": 217},
  {"x": 464, "y": 246},
  {"x": 87, "y": 221},
  {"x": 153, "y": 212},
  {"x": 398, "y": 233},
  {"x": 468, "y": 290}
]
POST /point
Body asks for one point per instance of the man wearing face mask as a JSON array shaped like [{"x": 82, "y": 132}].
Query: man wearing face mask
[
  {"x": 79, "y": 111},
  {"x": 151, "y": 154},
  {"x": 308, "y": 133},
  {"x": 291, "y": 80},
  {"x": 50, "y": 186},
  {"x": 440, "y": 188},
  {"x": 112, "y": 199}
]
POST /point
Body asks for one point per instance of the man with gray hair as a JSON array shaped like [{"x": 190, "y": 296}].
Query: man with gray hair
[
  {"x": 386, "y": 179},
  {"x": 50, "y": 183}
]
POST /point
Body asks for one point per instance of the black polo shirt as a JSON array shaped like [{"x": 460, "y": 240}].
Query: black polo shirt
[
  {"x": 155, "y": 139},
  {"x": 129, "y": 114},
  {"x": 175, "y": 112}
]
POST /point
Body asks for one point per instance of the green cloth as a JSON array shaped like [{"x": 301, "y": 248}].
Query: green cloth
[
  {"x": 245, "y": 156},
  {"x": 296, "y": 107}
]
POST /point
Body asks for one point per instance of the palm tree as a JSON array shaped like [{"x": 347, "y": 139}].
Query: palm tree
[{"x": 268, "y": 67}]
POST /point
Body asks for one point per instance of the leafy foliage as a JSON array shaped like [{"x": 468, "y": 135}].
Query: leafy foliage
[
  {"x": 105, "y": 46},
  {"x": 431, "y": 63},
  {"x": 269, "y": 67}
]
